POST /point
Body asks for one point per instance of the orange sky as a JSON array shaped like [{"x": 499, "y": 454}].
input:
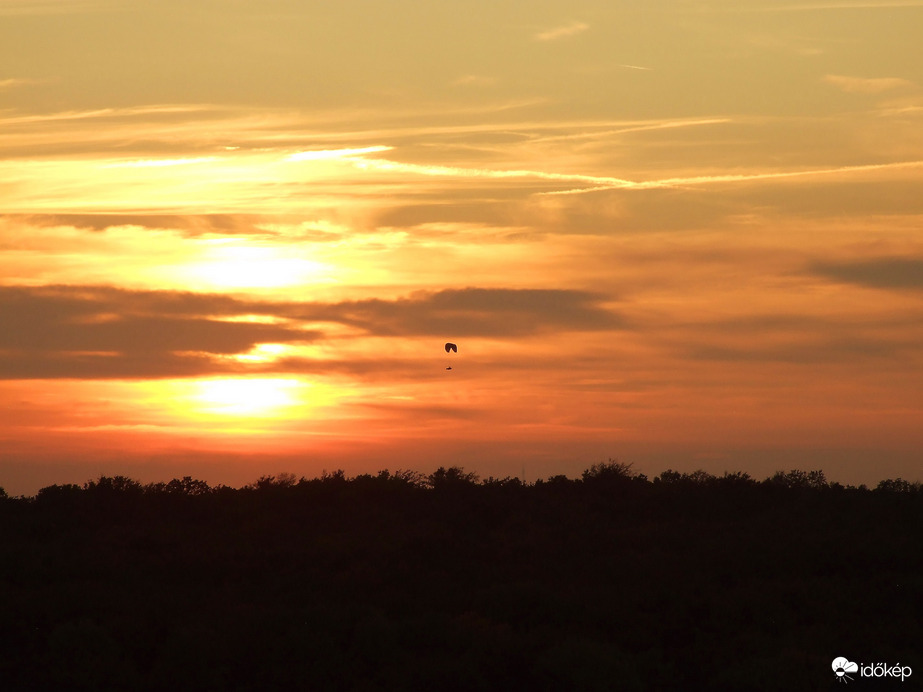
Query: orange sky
[{"x": 234, "y": 238}]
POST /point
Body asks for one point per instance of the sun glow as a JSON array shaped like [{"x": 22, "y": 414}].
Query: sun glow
[
  {"x": 251, "y": 397},
  {"x": 263, "y": 353},
  {"x": 256, "y": 266}
]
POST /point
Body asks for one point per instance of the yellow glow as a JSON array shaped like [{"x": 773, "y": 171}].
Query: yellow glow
[
  {"x": 263, "y": 353},
  {"x": 249, "y": 266},
  {"x": 329, "y": 154},
  {"x": 264, "y": 397},
  {"x": 161, "y": 163}
]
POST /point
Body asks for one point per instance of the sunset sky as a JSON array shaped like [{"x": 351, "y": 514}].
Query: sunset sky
[{"x": 235, "y": 235}]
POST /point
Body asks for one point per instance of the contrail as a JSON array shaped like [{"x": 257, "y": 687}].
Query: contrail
[{"x": 706, "y": 179}]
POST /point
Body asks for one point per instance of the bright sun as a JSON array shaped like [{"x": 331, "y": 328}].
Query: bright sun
[
  {"x": 258, "y": 397},
  {"x": 247, "y": 266}
]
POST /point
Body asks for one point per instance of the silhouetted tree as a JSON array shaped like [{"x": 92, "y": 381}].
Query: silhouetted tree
[
  {"x": 738, "y": 479},
  {"x": 795, "y": 479},
  {"x": 68, "y": 493},
  {"x": 696, "y": 478},
  {"x": 612, "y": 474},
  {"x": 187, "y": 486},
  {"x": 898, "y": 485},
  {"x": 453, "y": 476},
  {"x": 111, "y": 485},
  {"x": 406, "y": 581},
  {"x": 283, "y": 480}
]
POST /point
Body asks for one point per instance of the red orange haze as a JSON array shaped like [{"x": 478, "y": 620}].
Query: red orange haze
[{"x": 235, "y": 239}]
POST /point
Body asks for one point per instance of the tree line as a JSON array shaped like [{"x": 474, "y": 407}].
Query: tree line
[
  {"x": 404, "y": 580},
  {"x": 612, "y": 472}
]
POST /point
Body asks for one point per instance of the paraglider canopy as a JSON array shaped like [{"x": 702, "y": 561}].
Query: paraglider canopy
[{"x": 451, "y": 347}]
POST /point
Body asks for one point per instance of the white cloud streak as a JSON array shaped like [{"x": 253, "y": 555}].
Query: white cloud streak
[
  {"x": 161, "y": 163},
  {"x": 560, "y": 32},
  {"x": 457, "y": 172},
  {"x": 329, "y": 154},
  {"x": 102, "y": 113},
  {"x": 740, "y": 178},
  {"x": 817, "y": 6},
  {"x": 31, "y": 7},
  {"x": 612, "y": 183},
  {"x": 13, "y": 83},
  {"x": 865, "y": 85}
]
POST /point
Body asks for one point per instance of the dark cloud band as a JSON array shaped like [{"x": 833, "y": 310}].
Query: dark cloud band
[{"x": 100, "y": 331}]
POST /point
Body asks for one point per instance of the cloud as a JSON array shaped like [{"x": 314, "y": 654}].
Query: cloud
[
  {"x": 13, "y": 83},
  {"x": 161, "y": 163},
  {"x": 865, "y": 85},
  {"x": 564, "y": 31},
  {"x": 27, "y": 7},
  {"x": 459, "y": 172},
  {"x": 902, "y": 273},
  {"x": 104, "y": 332},
  {"x": 818, "y": 6},
  {"x": 331, "y": 154},
  {"x": 79, "y": 331},
  {"x": 803, "y": 351},
  {"x": 474, "y": 80},
  {"x": 730, "y": 178},
  {"x": 187, "y": 224},
  {"x": 797, "y": 339},
  {"x": 493, "y": 312}
]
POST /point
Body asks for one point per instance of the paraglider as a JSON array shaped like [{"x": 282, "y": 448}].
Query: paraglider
[{"x": 450, "y": 348}]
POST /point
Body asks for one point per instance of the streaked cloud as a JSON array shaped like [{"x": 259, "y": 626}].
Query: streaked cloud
[
  {"x": 473, "y": 312},
  {"x": 899, "y": 273},
  {"x": 866, "y": 85},
  {"x": 454, "y": 171},
  {"x": 162, "y": 163},
  {"x": 475, "y": 80},
  {"x": 13, "y": 83},
  {"x": 744, "y": 177},
  {"x": 104, "y": 332},
  {"x": 45, "y": 7},
  {"x": 799, "y": 340},
  {"x": 329, "y": 154},
  {"x": 815, "y": 6},
  {"x": 563, "y": 31}
]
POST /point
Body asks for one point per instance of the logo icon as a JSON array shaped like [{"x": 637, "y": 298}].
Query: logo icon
[{"x": 842, "y": 666}]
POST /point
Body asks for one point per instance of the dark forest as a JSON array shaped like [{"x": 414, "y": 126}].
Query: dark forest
[{"x": 406, "y": 581}]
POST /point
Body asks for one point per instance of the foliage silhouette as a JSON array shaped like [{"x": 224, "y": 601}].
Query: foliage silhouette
[{"x": 446, "y": 581}]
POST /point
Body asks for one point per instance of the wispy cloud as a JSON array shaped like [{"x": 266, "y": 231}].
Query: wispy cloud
[
  {"x": 104, "y": 113},
  {"x": 564, "y": 31},
  {"x": 744, "y": 177},
  {"x": 459, "y": 172},
  {"x": 102, "y": 332},
  {"x": 13, "y": 7},
  {"x": 817, "y": 6},
  {"x": 626, "y": 128},
  {"x": 474, "y": 80},
  {"x": 610, "y": 182},
  {"x": 880, "y": 272},
  {"x": 866, "y": 85},
  {"x": 161, "y": 163},
  {"x": 14, "y": 83},
  {"x": 332, "y": 154}
]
